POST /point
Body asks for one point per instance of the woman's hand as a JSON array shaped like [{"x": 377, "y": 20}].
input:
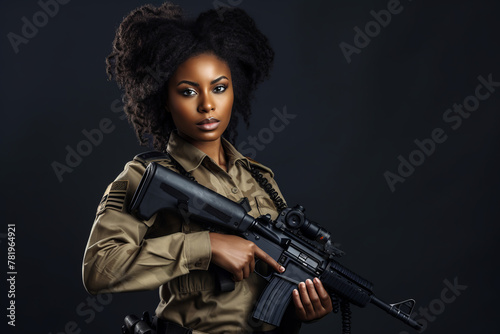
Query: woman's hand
[
  {"x": 311, "y": 300},
  {"x": 237, "y": 255}
]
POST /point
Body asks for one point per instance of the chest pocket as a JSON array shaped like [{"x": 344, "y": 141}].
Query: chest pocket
[{"x": 266, "y": 206}]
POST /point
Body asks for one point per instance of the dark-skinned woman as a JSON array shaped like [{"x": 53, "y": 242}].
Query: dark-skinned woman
[{"x": 186, "y": 84}]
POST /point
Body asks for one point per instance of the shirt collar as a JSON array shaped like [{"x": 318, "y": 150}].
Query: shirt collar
[{"x": 190, "y": 157}]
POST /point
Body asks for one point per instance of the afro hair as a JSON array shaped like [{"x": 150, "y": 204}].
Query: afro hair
[{"x": 150, "y": 44}]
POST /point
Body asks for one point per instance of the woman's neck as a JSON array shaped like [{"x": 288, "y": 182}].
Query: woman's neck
[{"x": 214, "y": 150}]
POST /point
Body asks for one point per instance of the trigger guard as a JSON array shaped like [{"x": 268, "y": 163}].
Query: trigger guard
[{"x": 263, "y": 269}]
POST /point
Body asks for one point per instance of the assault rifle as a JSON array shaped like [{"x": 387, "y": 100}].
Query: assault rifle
[{"x": 302, "y": 246}]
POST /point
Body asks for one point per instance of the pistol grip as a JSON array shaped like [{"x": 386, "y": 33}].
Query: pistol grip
[{"x": 223, "y": 280}]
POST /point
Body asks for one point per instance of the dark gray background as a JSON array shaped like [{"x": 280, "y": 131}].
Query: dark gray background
[{"x": 353, "y": 121}]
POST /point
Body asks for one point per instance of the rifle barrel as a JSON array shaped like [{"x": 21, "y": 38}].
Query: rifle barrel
[{"x": 396, "y": 312}]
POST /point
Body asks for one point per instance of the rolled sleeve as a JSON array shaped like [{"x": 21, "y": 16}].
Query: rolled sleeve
[{"x": 197, "y": 250}]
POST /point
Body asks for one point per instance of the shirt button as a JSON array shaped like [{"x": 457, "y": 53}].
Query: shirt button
[{"x": 234, "y": 190}]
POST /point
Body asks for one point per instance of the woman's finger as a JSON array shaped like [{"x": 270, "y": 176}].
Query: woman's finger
[
  {"x": 313, "y": 296},
  {"x": 325, "y": 299},
  {"x": 246, "y": 271},
  {"x": 238, "y": 275},
  {"x": 304, "y": 297},
  {"x": 299, "y": 308},
  {"x": 268, "y": 259}
]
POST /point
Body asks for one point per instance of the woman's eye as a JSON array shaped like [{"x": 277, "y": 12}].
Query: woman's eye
[
  {"x": 220, "y": 89},
  {"x": 188, "y": 92}
]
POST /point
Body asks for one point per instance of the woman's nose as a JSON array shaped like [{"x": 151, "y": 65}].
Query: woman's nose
[{"x": 207, "y": 104}]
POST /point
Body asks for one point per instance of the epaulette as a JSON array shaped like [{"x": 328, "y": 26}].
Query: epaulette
[
  {"x": 261, "y": 166},
  {"x": 147, "y": 157},
  {"x": 252, "y": 160}
]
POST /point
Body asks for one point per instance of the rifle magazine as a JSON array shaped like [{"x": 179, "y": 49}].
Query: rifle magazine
[{"x": 274, "y": 301}]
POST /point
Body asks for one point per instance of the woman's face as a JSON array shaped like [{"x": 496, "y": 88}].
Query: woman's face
[{"x": 200, "y": 98}]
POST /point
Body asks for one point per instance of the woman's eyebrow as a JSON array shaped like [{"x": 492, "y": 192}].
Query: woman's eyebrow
[
  {"x": 192, "y": 83},
  {"x": 189, "y": 83},
  {"x": 218, "y": 79}
]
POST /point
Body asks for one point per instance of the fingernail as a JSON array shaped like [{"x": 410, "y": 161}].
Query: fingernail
[
  {"x": 316, "y": 280},
  {"x": 295, "y": 291},
  {"x": 282, "y": 269},
  {"x": 302, "y": 284},
  {"x": 309, "y": 281}
]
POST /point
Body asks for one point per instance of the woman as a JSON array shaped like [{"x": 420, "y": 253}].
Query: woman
[{"x": 186, "y": 83}]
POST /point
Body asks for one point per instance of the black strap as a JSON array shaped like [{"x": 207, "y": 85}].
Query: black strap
[{"x": 279, "y": 203}]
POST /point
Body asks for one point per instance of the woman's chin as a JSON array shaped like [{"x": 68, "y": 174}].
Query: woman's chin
[{"x": 202, "y": 135}]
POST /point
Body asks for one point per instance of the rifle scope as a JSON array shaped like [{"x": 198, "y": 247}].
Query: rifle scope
[{"x": 295, "y": 219}]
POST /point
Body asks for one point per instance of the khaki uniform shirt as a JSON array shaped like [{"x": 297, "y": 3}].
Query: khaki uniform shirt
[{"x": 172, "y": 253}]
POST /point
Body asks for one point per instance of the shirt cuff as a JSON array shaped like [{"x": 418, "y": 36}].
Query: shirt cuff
[{"x": 198, "y": 251}]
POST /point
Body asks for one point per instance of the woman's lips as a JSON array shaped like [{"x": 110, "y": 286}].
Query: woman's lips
[{"x": 208, "y": 124}]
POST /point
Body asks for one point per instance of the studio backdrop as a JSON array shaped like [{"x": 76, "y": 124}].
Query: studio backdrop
[{"x": 381, "y": 118}]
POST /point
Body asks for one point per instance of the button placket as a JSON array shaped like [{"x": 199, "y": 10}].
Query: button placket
[{"x": 227, "y": 180}]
